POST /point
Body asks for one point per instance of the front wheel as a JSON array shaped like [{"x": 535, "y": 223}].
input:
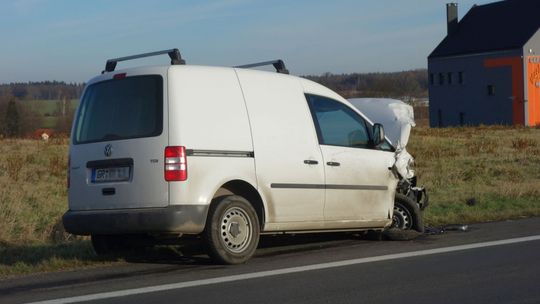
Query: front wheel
[
  {"x": 232, "y": 230},
  {"x": 407, "y": 214}
]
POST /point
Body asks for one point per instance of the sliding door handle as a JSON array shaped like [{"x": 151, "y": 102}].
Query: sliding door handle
[
  {"x": 310, "y": 162},
  {"x": 333, "y": 164}
]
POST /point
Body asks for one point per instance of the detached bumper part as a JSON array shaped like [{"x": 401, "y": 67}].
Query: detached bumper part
[
  {"x": 421, "y": 196},
  {"x": 188, "y": 219}
]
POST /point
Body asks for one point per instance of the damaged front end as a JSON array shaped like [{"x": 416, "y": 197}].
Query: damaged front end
[
  {"x": 407, "y": 185},
  {"x": 408, "y": 188},
  {"x": 397, "y": 118}
]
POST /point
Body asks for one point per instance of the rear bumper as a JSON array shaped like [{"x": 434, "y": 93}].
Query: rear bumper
[{"x": 188, "y": 219}]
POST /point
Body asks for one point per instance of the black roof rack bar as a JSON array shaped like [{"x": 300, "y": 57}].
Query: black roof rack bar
[
  {"x": 279, "y": 65},
  {"x": 174, "y": 54}
]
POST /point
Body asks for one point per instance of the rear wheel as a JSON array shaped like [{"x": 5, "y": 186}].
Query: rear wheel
[{"x": 232, "y": 230}]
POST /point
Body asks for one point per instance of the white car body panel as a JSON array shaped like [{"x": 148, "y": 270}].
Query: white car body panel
[
  {"x": 283, "y": 138},
  {"x": 209, "y": 120},
  {"x": 365, "y": 170},
  {"x": 147, "y": 188}
]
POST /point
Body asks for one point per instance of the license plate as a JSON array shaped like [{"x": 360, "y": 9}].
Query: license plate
[{"x": 104, "y": 175}]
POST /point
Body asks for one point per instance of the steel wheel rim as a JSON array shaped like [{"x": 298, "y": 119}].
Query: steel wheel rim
[
  {"x": 236, "y": 230},
  {"x": 402, "y": 218}
]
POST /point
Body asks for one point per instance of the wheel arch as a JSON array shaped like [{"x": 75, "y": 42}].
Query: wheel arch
[{"x": 246, "y": 190}]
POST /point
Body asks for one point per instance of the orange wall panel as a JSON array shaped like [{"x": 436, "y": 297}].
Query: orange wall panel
[{"x": 533, "y": 84}]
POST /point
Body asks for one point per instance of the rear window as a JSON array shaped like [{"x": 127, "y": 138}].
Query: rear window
[{"x": 117, "y": 109}]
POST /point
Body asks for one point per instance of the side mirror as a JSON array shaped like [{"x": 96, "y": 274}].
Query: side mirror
[{"x": 378, "y": 135}]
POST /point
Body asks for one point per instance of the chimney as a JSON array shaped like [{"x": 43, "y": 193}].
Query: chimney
[{"x": 451, "y": 17}]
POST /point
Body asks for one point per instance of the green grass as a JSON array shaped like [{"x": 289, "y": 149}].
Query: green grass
[
  {"x": 49, "y": 122},
  {"x": 48, "y": 109},
  {"x": 497, "y": 166},
  {"x": 43, "y": 106}
]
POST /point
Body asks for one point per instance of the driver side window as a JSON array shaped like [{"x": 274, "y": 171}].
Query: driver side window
[{"x": 337, "y": 124}]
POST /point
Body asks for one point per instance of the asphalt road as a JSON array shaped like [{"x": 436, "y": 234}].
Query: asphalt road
[{"x": 492, "y": 263}]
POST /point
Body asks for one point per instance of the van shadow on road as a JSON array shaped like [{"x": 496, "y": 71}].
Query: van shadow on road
[
  {"x": 188, "y": 252},
  {"x": 160, "y": 259}
]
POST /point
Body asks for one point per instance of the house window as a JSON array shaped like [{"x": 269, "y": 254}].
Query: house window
[
  {"x": 441, "y": 78},
  {"x": 490, "y": 90},
  {"x": 449, "y": 75},
  {"x": 461, "y": 76},
  {"x": 431, "y": 79}
]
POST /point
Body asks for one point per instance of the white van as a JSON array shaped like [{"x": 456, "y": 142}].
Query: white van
[{"x": 222, "y": 153}]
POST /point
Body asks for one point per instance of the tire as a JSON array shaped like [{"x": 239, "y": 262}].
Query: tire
[
  {"x": 232, "y": 230},
  {"x": 407, "y": 214},
  {"x": 395, "y": 234}
]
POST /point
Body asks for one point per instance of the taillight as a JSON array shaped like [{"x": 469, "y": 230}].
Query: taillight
[
  {"x": 68, "y": 170},
  {"x": 175, "y": 164}
]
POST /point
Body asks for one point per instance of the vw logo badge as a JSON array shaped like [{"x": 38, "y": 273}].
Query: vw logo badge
[{"x": 108, "y": 150}]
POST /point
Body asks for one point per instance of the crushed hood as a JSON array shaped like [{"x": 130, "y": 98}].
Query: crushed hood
[{"x": 397, "y": 119}]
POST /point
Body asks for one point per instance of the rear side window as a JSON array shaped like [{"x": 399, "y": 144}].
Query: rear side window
[
  {"x": 117, "y": 109},
  {"x": 337, "y": 124}
]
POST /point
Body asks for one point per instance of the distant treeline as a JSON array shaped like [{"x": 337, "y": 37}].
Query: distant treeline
[
  {"x": 49, "y": 90},
  {"x": 402, "y": 85},
  {"x": 19, "y": 118}
]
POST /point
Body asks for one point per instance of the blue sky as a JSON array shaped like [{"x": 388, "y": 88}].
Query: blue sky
[{"x": 71, "y": 40}]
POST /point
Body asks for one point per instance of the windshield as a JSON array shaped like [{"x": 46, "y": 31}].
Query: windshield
[{"x": 125, "y": 108}]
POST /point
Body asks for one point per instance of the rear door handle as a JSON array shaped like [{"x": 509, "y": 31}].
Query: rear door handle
[
  {"x": 310, "y": 162},
  {"x": 333, "y": 164}
]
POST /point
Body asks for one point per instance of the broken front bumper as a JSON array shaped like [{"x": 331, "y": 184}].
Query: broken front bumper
[{"x": 420, "y": 196}]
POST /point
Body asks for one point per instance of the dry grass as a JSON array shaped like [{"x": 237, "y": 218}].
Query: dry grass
[
  {"x": 33, "y": 198},
  {"x": 33, "y": 192},
  {"x": 497, "y": 166}
]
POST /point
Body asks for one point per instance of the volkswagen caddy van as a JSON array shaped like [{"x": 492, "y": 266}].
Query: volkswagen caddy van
[{"x": 222, "y": 153}]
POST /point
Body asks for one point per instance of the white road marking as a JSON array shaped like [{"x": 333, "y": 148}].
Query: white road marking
[{"x": 262, "y": 274}]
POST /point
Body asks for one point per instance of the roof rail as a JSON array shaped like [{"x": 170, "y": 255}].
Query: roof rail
[
  {"x": 278, "y": 64},
  {"x": 174, "y": 54}
]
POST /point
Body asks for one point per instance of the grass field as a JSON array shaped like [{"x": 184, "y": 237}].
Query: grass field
[
  {"x": 496, "y": 168},
  {"x": 48, "y": 110},
  {"x": 44, "y": 106}
]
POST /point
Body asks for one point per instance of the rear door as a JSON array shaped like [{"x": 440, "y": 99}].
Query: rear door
[
  {"x": 359, "y": 185},
  {"x": 288, "y": 159},
  {"x": 118, "y": 143}
]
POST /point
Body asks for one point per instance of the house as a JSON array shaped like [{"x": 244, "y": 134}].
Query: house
[
  {"x": 487, "y": 69},
  {"x": 43, "y": 134}
]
